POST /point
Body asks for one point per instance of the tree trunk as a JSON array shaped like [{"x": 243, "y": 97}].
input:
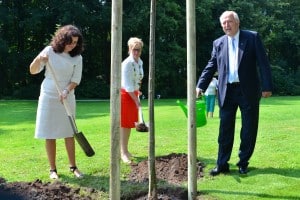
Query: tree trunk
[
  {"x": 116, "y": 59},
  {"x": 151, "y": 93},
  {"x": 191, "y": 77}
]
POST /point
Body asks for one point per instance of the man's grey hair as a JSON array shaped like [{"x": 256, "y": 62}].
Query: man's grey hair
[{"x": 229, "y": 12}]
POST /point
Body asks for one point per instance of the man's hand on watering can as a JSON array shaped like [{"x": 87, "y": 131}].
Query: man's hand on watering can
[{"x": 199, "y": 92}]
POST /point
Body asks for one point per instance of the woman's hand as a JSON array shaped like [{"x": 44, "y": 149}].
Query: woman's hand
[
  {"x": 64, "y": 95},
  {"x": 138, "y": 103}
]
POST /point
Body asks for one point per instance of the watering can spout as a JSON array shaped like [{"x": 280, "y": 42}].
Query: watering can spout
[
  {"x": 183, "y": 107},
  {"x": 200, "y": 112}
]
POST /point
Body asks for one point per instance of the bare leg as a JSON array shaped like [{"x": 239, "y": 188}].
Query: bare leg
[
  {"x": 209, "y": 114},
  {"x": 70, "y": 146},
  {"x": 124, "y": 138},
  {"x": 51, "y": 153}
]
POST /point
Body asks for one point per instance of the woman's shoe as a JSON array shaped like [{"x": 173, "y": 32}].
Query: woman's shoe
[
  {"x": 129, "y": 155},
  {"x": 53, "y": 174},
  {"x": 76, "y": 172},
  {"x": 126, "y": 158}
]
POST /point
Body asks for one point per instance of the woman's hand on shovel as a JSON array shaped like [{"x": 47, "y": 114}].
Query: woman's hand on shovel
[
  {"x": 63, "y": 95},
  {"x": 138, "y": 104}
]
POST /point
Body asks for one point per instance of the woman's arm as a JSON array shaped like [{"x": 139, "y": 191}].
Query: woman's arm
[
  {"x": 35, "y": 66},
  {"x": 135, "y": 99},
  {"x": 71, "y": 86},
  {"x": 64, "y": 94}
]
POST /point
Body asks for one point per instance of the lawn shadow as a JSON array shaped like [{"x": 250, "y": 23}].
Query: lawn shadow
[
  {"x": 19, "y": 112},
  {"x": 138, "y": 159},
  {"x": 207, "y": 161},
  {"x": 288, "y": 172},
  {"x": 128, "y": 188},
  {"x": 253, "y": 171},
  {"x": 283, "y": 100},
  {"x": 252, "y": 194},
  {"x": 91, "y": 115},
  {"x": 88, "y": 181}
]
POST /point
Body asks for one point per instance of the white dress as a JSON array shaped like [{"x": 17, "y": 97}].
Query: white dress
[{"x": 52, "y": 121}]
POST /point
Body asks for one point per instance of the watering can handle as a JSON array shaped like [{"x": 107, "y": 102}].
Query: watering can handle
[{"x": 199, "y": 93}]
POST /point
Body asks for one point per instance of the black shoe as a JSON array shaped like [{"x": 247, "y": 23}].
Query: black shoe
[
  {"x": 217, "y": 170},
  {"x": 243, "y": 170}
]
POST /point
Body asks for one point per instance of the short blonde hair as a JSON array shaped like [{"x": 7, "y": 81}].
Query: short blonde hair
[{"x": 134, "y": 41}]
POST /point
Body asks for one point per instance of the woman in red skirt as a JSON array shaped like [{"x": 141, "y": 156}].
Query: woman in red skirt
[{"x": 132, "y": 75}]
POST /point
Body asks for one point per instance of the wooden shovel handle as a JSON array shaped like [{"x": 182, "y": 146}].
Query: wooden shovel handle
[{"x": 65, "y": 102}]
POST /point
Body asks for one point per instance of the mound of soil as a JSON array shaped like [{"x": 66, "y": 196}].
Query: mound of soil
[
  {"x": 40, "y": 191},
  {"x": 171, "y": 169}
]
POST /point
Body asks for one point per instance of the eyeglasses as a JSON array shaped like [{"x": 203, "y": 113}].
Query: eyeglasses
[{"x": 138, "y": 50}]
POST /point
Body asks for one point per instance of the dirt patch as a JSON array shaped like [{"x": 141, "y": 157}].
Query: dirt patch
[
  {"x": 41, "y": 191},
  {"x": 171, "y": 169}
]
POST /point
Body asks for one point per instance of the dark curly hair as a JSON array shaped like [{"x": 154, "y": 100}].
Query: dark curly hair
[{"x": 63, "y": 36}]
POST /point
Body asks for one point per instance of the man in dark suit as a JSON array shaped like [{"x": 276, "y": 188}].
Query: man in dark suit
[{"x": 244, "y": 76}]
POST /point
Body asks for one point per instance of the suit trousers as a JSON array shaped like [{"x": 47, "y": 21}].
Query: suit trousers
[{"x": 249, "y": 124}]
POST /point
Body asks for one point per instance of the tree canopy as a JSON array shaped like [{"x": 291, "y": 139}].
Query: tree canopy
[{"x": 26, "y": 27}]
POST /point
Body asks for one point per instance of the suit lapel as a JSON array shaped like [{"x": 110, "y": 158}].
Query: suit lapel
[
  {"x": 242, "y": 45},
  {"x": 224, "y": 51}
]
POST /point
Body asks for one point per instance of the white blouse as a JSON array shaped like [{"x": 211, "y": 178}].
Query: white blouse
[
  {"x": 132, "y": 74},
  {"x": 67, "y": 68},
  {"x": 211, "y": 90}
]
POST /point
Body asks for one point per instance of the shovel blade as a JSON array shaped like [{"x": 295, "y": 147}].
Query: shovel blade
[
  {"x": 84, "y": 144},
  {"x": 141, "y": 127}
]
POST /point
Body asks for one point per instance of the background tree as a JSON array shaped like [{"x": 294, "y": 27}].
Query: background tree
[{"x": 26, "y": 27}]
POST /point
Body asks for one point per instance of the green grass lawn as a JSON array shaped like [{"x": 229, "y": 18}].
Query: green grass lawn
[{"x": 274, "y": 167}]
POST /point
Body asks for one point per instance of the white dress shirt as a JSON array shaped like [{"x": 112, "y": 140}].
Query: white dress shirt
[{"x": 233, "y": 58}]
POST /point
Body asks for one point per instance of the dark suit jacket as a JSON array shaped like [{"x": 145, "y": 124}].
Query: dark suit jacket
[{"x": 253, "y": 79}]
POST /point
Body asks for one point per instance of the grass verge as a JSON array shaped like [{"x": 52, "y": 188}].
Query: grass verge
[{"x": 274, "y": 167}]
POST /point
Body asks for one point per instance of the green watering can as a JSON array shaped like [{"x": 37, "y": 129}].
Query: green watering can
[{"x": 200, "y": 112}]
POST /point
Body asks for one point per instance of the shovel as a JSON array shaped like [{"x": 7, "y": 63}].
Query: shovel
[
  {"x": 80, "y": 138},
  {"x": 141, "y": 125}
]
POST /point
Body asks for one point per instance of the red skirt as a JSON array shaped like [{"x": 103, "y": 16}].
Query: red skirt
[{"x": 129, "y": 111}]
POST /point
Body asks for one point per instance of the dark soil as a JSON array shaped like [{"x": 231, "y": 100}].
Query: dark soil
[
  {"x": 41, "y": 191},
  {"x": 171, "y": 169}
]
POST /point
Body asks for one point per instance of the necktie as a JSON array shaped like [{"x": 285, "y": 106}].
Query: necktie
[
  {"x": 233, "y": 68},
  {"x": 233, "y": 45}
]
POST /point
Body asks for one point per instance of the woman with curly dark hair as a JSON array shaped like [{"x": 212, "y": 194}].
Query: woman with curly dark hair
[{"x": 64, "y": 55}]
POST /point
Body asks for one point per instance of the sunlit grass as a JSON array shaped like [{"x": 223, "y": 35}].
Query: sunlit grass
[{"x": 274, "y": 167}]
